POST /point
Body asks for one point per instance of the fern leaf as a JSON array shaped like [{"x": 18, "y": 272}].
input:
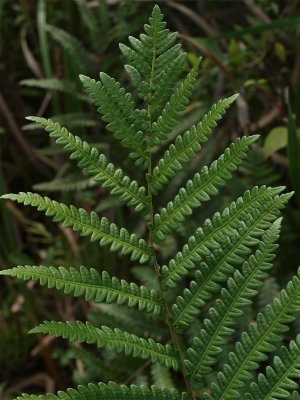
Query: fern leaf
[
  {"x": 153, "y": 58},
  {"x": 278, "y": 380},
  {"x": 118, "y": 110},
  {"x": 221, "y": 262},
  {"x": 153, "y": 51},
  {"x": 201, "y": 188},
  {"x": 74, "y": 47},
  {"x": 240, "y": 288},
  {"x": 111, "y": 391},
  {"x": 114, "y": 339},
  {"x": 61, "y": 85},
  {"x": 90, "y": 284},
  {"x": 186, "y": 146},
  {"x": 256, "y": 342},
  {"x": 96, "y": 164},
  {"x": 215, "y": 232},
  {"x": 88, "y": 224},
  {"x": 177, "y": 103},
  {"x": 166, "y": 79}
]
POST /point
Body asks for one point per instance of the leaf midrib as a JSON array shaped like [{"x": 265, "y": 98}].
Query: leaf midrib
[{"x": 86, "y": 285}]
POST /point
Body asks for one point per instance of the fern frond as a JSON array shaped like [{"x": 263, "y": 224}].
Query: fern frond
[
  {"x": 114, "y": 339},
  {"x": 90, "y": 284},
  {"x": 55, "y": 84},
  {"x": 111, "y": 391},
  {"x": 74, "y": 47},
  {"x": 118, "y": 110},
  {"x": 240, "y": 288},
  {"x": 166, "y": 80},
  {"x": 200, "y": 189},
  {"x": 153, "y": 51},
  {"x": 187, "y": 145},
  {"x": 215, "y": 232},
  {"x": 256, "y": 342},
  {"x": 222, "y": 262},
  {"x": 170, "y": 113},
  {"x": 278, "y": 380},
  {"x": 96, "y": 164},
  {"x": 88, "y": 224}
]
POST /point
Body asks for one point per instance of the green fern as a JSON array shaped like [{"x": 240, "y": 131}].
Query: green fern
[
  {"x": 112, "y": 392},
  {"x": 186, "y": 146},
  {"x": 277, "y": 382},
  {"x": 88, "y": 224},
  {"x": 216, "y": 231},
  {"x": 257, "y": 341},
  {"x": 235, "y": 246},
  {"x": 96, "y": 164},
  {"x": 240, "y": 288},
  {"x": 112, "y": 338},
  {"x": 200, "y": 188},
  {"x": 90, "y": 284}
]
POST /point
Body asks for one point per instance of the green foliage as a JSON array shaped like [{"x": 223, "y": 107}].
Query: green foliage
[
  {"x": 234, "y": 247},
  {"x": 96, "y": 164},
  {"x": 186, "y": 146},
  {"x": 240, "y": 288},
  {"x": 201, "y": 188},
  {"x": 114, "y": 339},
  {"x": 88, "y": 224},
  {"x": 277, "y": 382},
  {"x": 113, "y": 392},
  {"x": 90, "y": 284}
]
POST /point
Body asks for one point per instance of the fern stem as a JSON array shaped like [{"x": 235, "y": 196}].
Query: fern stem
[{"x": 168, "y": 314}]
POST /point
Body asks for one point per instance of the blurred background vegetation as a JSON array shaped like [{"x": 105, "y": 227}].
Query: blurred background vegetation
[{"x": 249, "y": 47}]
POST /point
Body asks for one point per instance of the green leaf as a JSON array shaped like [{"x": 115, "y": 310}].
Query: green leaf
[
  {"x": 216, "y": 234},
  {"x": 241, "y": 287},
  {"x": 88, "y": 224},
  {"x": 201, "y": 188},
  {"x": 113, "y": 339},
  {"x": 279, "y": 379},
  {"x": 118, "y": 110},
  {"x": 96, "y": 164},
  {"x": 90, "y": 284},
  {"x": 111, "y": 391},
  {"x": 186, "y": 146},
  {"x": 170, "y": 113},
  {"x": 258, "y": 340}
]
